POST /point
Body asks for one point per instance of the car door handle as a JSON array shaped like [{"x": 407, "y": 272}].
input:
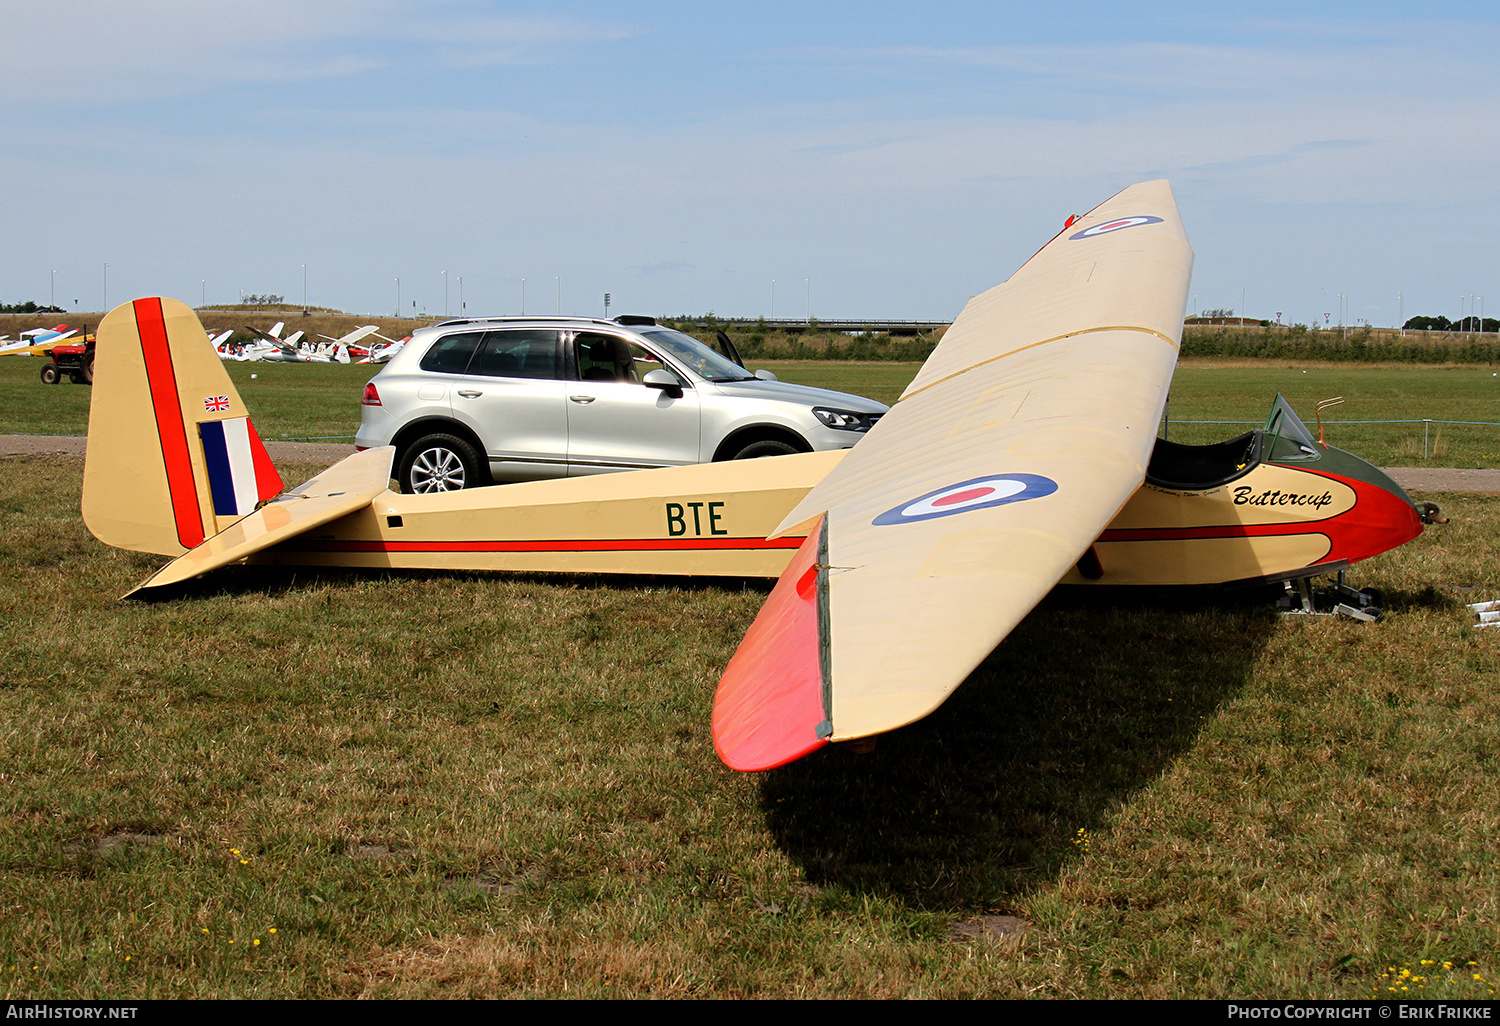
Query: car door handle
[
  {"x": 469, "y": 393},
  {"x": 585, "y": 399}
]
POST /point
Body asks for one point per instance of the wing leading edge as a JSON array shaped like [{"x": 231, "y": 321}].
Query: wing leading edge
[{"x": 1026, "y": 431}]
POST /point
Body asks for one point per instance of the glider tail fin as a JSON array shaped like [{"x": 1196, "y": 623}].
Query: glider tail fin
[{"x": 172, "y": 456}]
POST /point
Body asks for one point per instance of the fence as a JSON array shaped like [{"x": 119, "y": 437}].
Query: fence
[{"x": 1426, "y": 423}]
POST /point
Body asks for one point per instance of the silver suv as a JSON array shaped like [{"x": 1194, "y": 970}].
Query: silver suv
[{"x": 472, "y": 402}]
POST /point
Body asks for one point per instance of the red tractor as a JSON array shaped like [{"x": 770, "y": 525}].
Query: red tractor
[{"x": 76, "y": 361}]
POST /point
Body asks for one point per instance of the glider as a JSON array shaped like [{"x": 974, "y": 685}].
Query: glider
[{"x": 1022, "y": 455}]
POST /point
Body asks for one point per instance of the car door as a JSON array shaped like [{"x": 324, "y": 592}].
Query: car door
[
  {"x": 513, "y": 395},
  {"x": 617, "y": 423}
]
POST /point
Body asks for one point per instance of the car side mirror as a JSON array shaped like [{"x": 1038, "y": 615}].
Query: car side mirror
[
  {"x": 665, "y": 380},
  {"x": 766, "y": 375}
]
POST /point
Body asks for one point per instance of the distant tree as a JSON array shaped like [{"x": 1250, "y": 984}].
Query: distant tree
[
  {"x": 28, "y": 307},
  {"x": 1429, "y": 324}
]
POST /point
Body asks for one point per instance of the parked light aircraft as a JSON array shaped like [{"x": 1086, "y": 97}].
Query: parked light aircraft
[
  {"x": 1022, "y": 455},
  {"x": 270, "y": 347},
  {"x": 37, "y": 341},
  {"x": 351, "y": 340},
  {"x": 382, "y": 351}
]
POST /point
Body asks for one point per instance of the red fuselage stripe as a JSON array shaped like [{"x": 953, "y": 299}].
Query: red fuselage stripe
[
  {"x": 569, "y": 545},
  {"x": 1220, "y": 531},
  {"x": 152, "y": 328}
]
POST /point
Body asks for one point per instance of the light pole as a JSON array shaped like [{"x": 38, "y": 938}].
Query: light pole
[
  {"x": 1242, "y": 306},
  {"x": 304, "y": 290},
  {"x": 773, "y": 299},
  {"x": 1401, "y": 316},
  {"x": 523, "y": 297},
  {"x": 398, "y": 297},
  {"x": 462, "y": 306},
  {"x": 808, "y": 283},
  {"x": 202, "y": 293},
  {"x": 53, "y": 300},
  {"x": 445, "y": 293}
]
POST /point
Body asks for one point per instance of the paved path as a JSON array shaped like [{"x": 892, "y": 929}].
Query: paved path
[
  {"x": 1414, "y": 479},
  {"x": 1446, "y": 479}
]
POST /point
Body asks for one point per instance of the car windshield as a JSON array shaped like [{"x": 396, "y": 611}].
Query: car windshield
[{"x": 698, "y": 358}]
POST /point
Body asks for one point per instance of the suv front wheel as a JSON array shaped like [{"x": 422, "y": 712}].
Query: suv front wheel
[
  {"x": 765, "y": 447},
  {"x": 439, "y": 463}
]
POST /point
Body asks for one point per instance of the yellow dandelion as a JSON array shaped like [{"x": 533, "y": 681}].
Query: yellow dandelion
[{"x": 256, "y": 942}]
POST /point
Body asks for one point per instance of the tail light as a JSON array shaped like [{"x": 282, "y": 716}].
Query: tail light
[{"x": 372, "y": 397}]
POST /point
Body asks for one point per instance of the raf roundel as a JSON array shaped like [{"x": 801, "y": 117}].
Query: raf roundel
[
  {"x": 1114, "y": 226},
  {"x": 976, "y": 493}
]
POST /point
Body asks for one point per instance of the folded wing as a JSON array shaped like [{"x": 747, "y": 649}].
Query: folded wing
[{"x": 1026, "y": 431}]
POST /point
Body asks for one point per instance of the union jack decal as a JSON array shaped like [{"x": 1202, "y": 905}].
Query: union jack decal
[{"x": 216, "y": 404}]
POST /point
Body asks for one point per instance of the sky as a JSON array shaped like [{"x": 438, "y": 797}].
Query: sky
[{"x": 873, "y": 160}]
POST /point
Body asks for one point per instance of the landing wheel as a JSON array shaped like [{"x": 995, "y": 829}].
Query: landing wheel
[{"x": 439, "y": 463}]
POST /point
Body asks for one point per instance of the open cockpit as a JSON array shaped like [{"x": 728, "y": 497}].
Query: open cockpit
[{"x": 1188, "y": 468}]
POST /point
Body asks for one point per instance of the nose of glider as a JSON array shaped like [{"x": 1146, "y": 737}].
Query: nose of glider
[{"x": 1383, "y": 516}]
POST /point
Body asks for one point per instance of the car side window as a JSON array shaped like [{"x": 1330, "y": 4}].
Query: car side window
[
  {"x": 646, "y": 361},
  {"x": 603, "y": 358},
  {"x": 519, "y": 353},
  {"x": 451, "y": 353}
]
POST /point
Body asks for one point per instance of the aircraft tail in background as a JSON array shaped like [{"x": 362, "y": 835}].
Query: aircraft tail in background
[{"x": 172, "y": 456}]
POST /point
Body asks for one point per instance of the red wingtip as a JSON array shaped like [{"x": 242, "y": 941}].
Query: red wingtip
[{"x": 769, "y": 709}]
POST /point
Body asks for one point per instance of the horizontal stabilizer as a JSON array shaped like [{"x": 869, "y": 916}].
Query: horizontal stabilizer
[{"x": 338, "y": 491}]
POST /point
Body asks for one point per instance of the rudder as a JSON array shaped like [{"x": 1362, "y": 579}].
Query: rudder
[{"x": 172, "y": 456}]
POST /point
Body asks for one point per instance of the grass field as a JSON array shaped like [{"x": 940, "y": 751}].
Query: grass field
[
  {"x": 303, "y": 401},
  {"x": 424, "y": 785}
]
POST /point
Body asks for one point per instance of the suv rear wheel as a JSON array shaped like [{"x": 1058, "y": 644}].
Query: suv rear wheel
[{"x": 439, "y": 463}]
